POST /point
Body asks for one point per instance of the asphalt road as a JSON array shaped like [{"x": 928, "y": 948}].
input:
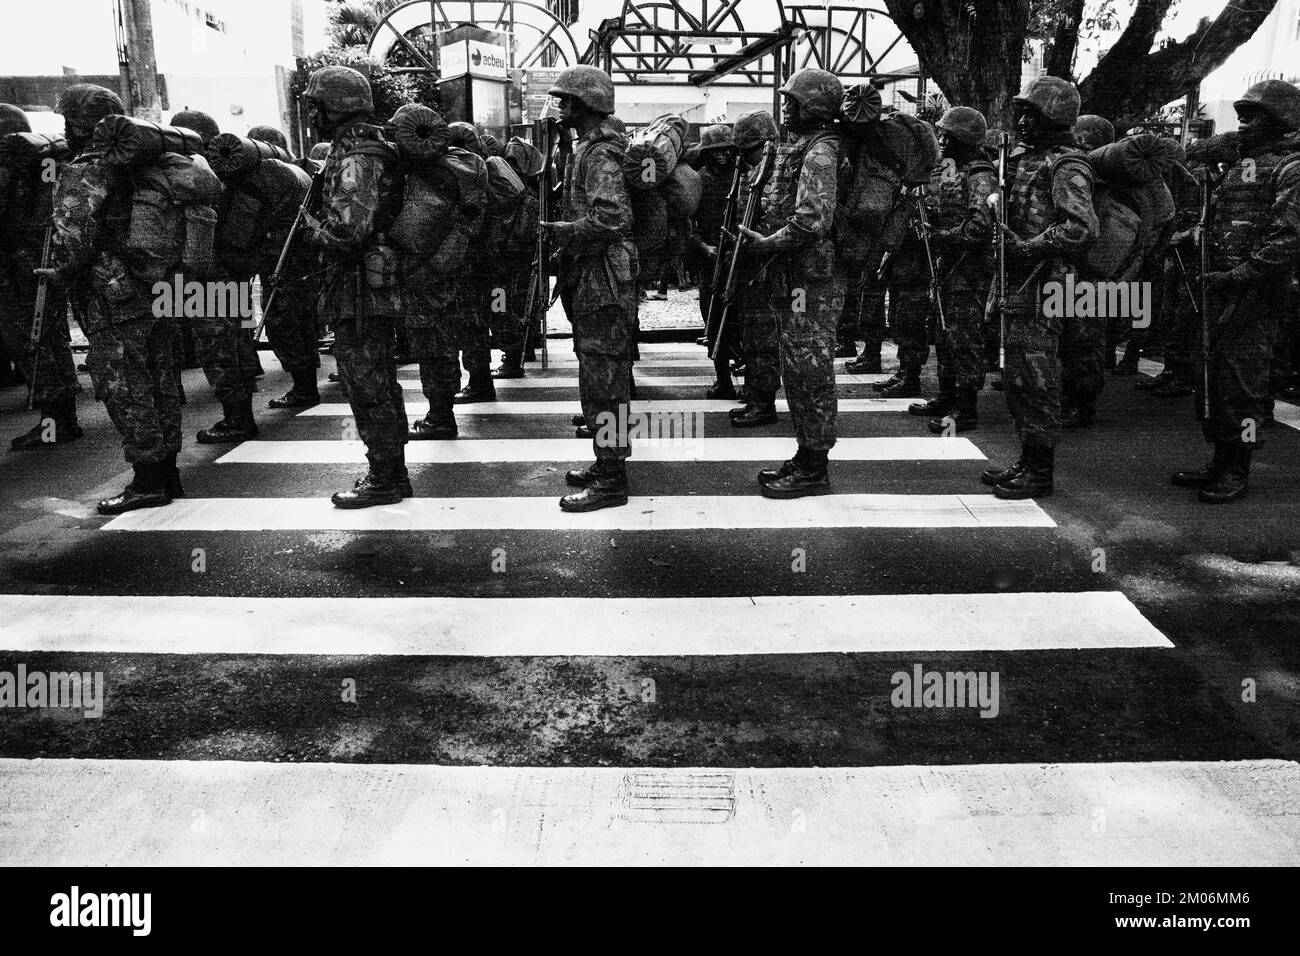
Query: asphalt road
[{"x": 710, "y": 657}]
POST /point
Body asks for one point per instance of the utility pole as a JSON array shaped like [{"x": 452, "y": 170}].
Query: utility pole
[{"x": 135, "y": 58}]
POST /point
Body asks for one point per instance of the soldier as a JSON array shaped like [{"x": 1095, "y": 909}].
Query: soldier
[
  {"x": 132, "y": 358},
  {"x": 598, "y": 268},
  {"x": 291, "y": 324},
  {"x": 802, "y": 287},
  {"x": 758, "y": 328},
  {"x": 1050, "y": 222},
  {"x": 864, "y": 301},
  {"x": 516, "y": 327},
  {"x": 474, "y": 290},
  {"x": 963, "y": 225},
  {"x": 1254, "y": 236},
  {"x": 24, "y": 215},
  {"x": 360, "y": 298},
  {"x": 717, "y": 158},
  {"x": 1092, "y": 132}
]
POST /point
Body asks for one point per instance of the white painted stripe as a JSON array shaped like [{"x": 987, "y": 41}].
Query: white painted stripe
[
  {"x": 571, "y": 407},
  {"x": 1287, "y": 414},
  {"x": 642, "y": 381},
  {"x": 916, "y": 448},
  {"x": 581, "y": 627},
  {"x": 100, "y": 813},
  {"x": 662, "y": 513}
]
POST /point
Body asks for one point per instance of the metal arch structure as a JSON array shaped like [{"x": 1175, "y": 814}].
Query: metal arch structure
[
  {"x": 406, "y": 37},
  {"x": 667, "y": 41}
]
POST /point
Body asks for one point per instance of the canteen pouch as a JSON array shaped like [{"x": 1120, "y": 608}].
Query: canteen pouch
[{"x": 381, "y": 265}]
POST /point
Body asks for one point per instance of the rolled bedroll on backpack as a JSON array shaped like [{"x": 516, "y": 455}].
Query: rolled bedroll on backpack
[
  {"x": 127, "y": 141},
  {"x": 28, "y": 149},
  {"x": 662, "y": 142},
  {"x": 1135, "y": 160},
  {"x": 229, "y": 154},
  {"x": 420, "y": 133}
]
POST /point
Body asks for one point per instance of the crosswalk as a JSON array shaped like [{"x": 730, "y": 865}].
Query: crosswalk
[{"x": 669, "y": 541}]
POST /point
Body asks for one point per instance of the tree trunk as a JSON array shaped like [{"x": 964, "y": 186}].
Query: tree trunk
[
  {"x": 975, "y": 58},
  {"x": 1060, "y": 53}
]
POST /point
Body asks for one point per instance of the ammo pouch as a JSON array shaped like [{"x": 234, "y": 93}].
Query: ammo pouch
[
  {"x": 113, "y": 279},
  {"x": 381, "y": 267}
]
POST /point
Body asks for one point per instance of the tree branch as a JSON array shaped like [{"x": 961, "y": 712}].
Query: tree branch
[{"x": 1060, "y": 52}]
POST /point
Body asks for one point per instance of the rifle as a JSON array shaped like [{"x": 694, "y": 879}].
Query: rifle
[
  {"x": 1203, "y": 246},
  {"x": 716, "y": 315},
  {"x": 922, "y": 224},
  {"x": 726, "y": 295},
  {"x": 539, "y": 291},
  {"x": 1000, "y": 247},
  {"x": 277, "y": 277},
  {"x": 38, "y": 313}
]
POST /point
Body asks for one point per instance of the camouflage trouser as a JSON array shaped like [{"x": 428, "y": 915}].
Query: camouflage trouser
[
  {"x": 133, "y": 365},
  {"x": 227, "y": 355},
  {"x": 55, "y": 371},
  {"x": 506, "y": 312},
  {"x": 472, "y": 325},
  {"x": 1033, "y": 370},
  {"x": 363, "y": 348},
  {"x": 430, "y": 328},
  {"x": 602, "y": 339},
  {"x": 909, "y": 308},
  {"x": 1083, "y": 354},
  {"x": 961, "y": 345},
  {"x": 761, "y": 343},
  {"x": 807, "y": 352},
  {"x": 291, "y": 328},
  {"x": 864, "y": 308},
  {"x": 1244, "y": 327}
]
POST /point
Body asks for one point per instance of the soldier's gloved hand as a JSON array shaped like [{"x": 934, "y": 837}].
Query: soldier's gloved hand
[
  {"x": 47, "y": 273},
  {"x": 758, "y": 245},
  {"x": 711, "y": 251}
]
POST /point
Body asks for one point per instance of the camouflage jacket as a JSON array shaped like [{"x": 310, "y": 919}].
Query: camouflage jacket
[
  {"x": 92, "y": 219},
  {"x": 1050, "y": 202},
  {"x": 709, "y": 214},
  {"x": 597, "y": 208},
  {"x": 1255, "y": 215},
  {"x": 360, "y": 197},
  {"x": 799, "y": 203},
  {"x": 962, "y": 219},
  {"x": 25, "y": 204}
]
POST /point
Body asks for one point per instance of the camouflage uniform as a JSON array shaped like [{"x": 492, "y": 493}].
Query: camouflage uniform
[
  {"x": 908, "y": 279},
  {"x": 24, "y": 213},
  {"x": 429, "y": 307},
  {"x": 291, "y": 325},
  {"x": 132, "y": 354},
  {"x": 1050, "y": 208},
  {"x": 802, "y": 292},
  {"x": 598, "y": 269},
  {"x": 359, "y": 199},
  {"x": 1255, "y": 238},
  {"x": 963, "y": 224}
]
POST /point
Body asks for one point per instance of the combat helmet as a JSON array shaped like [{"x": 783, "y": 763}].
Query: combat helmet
[
  {"x": 716, "y": 137},
  {"x": 817, "y": 92},
  {"x": 589, "y": 84},
  {"x": 340, "y": 89},
  {"x": 269, "y": 134},
  {"x": 1092, "y": 131},
  {"x": 466, "y": 136},
  {"x": 524, "y": 156},
  {"x": 964, "y": 124},
  {"x": 85, "y": 104},
  {"x": 1277, "y": 97},
  {"x": 198, "y": 121},
  {"x": 1056, "y": 99},
  {"x": 13, "y": 120},
  {"x": 754, "y": 129}
]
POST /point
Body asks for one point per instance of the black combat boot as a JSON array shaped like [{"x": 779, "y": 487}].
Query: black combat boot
[
  {"x": 996, "y": 476},
  {"x": 788, "y": 467},
  {"x": 173, "y": 473},
  {"x": 1207, "y": 474},
  {"x": 1231, "y": 482},
  {"x": 760, "y": 412},
  {"x": 380, "y": 486},
  {"x": 964, "y": 414},
  {"x": 1128, "y": 365},
  {"x": 868, "y": 360},
  {"x": 303, "y": 394},
  {"x": 63, "y": 429},
  {"x": 237, "y": 426},
  {"x": 148, "y": 489},
  {"x": 1035, "y": 481},
  {"x": 403, "y": 478},
  {"x": 846, "y": 350},
  {"x": 908, "y": 386},
  {"x": 889, "y": 382},
  {"x": 722, "y": 387},
  {"x": 479, "y": 389},
  {"x": 940, "y": 405},
  {"x": 810, "y": 477},
  {"x": 439, "y": 424},
  {"x": 607, "y": 489},
  {"x": 1082, "y": 412},
  {"x": 583, "y": 477},
  {"x": 530, "y": 354},
  {"x": 511, "y": 366},
  {"x": 579, "y": 420}
]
